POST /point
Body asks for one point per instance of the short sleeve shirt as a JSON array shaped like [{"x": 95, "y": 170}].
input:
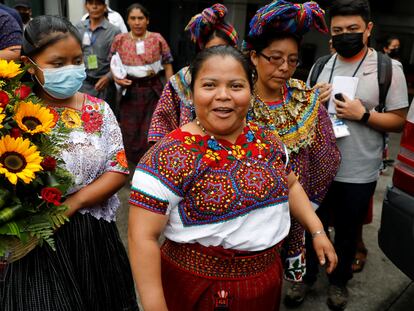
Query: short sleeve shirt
[
  {"x": 362, "y": 150},
  {"x": 10, "y": 31}
]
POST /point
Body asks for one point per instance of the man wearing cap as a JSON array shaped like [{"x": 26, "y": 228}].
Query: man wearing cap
[{"x": 25, "y": 11}]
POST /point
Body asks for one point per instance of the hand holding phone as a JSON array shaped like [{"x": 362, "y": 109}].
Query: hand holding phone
[{"x": 339, "y": 96}]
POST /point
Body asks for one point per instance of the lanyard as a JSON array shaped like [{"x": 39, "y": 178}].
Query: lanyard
[{"x": 356, "y": 70}]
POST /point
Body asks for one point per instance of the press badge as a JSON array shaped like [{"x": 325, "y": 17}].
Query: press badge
[
  {"x": 339, "y": 127},
  {"x": 86, "y": 39},
  {"x": 140, "y": 47},
  {"x": 92, "y": 62}
]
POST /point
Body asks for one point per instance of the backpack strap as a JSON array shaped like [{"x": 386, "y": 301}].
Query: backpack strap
[
  {"x": 384, "y": 79},
  {"x": 317, "y": 69}
]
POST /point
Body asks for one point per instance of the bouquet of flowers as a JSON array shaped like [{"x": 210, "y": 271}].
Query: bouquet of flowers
[{"x": 32, "y": 178}]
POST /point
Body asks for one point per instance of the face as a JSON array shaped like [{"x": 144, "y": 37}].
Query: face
[
  {"x": 64, "y": 52},
  {"x": 96, "y": 9},
  {"x": 25, "y": 13},
  {"x": 275, "y": 71},
  {"x": 215, "y": 41},
  {"x": 351, "y": 24},
  {"x": 395, "y": 44},
  {"x": 137, "y": 22},
  {"x": 221, "y": 96}
]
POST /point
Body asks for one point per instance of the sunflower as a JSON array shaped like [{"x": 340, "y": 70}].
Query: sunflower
[
  {"x": 9, "y": 70},
  {"x": 33, "y": 118},
  {"x": 71, "y": 118},
  {"x": 2, "y": 116},
  {"x": 18, "y": 159}
]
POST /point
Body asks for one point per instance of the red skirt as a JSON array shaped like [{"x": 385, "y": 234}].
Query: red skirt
[{"x": 195, "y": 277}]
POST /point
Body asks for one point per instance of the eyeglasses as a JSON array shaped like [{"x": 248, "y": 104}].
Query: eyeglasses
[{"x": 278, "y": 61}]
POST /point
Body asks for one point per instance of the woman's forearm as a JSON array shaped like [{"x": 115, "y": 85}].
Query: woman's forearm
[
  {"x": 145, "y": 261},
  {"x": 96, "y": 192},
  {"x": 301, "y": 208}
]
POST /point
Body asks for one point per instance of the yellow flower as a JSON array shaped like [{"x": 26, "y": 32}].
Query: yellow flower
[
  {"x": 189, "y": 140},
  {"x": 71, "y": 118},
  {"x": 210, "y": 154},
  {"x": 18, "y": 159},
  {"x": 2, "y": 116},
  {"x": 9, "y": 70},
  {"x": 238, "y": 152},
  {"x": 34, "y": 118}
]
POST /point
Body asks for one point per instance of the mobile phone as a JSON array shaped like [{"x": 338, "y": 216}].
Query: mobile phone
[{"x": 339, "y": 96}]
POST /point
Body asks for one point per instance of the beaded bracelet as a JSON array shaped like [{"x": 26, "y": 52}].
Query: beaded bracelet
[{"x": 319, "y": 232}]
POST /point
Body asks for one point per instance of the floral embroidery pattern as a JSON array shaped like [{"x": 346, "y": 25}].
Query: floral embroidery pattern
[{"x": 71, "y": 118}]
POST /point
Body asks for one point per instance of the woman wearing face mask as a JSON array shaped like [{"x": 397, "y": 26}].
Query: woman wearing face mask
[
  {"x": 89, "y": 269},
  {"x": 392, "y": 48},
  {"x": 175, "y": 107},
  {"x": 290, "y": 109}
]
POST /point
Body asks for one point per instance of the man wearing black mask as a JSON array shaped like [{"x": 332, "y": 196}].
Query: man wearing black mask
[{"x": 361, "y": 148}]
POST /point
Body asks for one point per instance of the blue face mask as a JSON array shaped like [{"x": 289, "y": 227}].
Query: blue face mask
[{"x": 64, "y": 82}]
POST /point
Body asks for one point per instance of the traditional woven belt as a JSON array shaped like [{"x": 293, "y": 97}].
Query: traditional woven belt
[{"x": 216, "y": 262}]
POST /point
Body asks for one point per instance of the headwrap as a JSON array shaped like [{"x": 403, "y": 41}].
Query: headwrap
[
  {"x": 210, "y": 19},
  {"x": 283, "y": 16}
]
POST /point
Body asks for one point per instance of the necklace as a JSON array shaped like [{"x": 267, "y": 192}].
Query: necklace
[
  {"x": 231, "y": 152},
  {"x": 138, "y": 38}
]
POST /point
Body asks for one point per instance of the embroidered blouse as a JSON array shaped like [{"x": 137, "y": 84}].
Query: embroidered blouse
[
  {"x": 174, "y": 108},
  {"x": 216, "y": 193},
  {"x": 155, "y": 53},
  {"x": 93, "y": 148},
  {"x": 304, "y": 126}
]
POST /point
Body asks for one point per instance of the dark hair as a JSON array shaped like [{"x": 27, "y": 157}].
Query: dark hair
[
  {"x": 263, "y": 41},
  {"x": 101, "y": 1},
  {"x": 389, "y": 41},
  {"x": 351, "y": 7},
  {"x": 216, "y": 33},
  {"x": 137, "y": 6},
  {"x": 44, "y": 31},
  {"x": 220, "y": 50}
]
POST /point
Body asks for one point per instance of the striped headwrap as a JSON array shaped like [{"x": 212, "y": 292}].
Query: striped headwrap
[
  {"x": 211, "y": 19},
  {"x": 283, "y": 16}
]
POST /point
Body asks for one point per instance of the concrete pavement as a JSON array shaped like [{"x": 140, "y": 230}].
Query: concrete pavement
[{"x": 379, "y": 287}]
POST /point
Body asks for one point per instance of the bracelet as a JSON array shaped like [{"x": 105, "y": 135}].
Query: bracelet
[{"x": 319, "y": 232}]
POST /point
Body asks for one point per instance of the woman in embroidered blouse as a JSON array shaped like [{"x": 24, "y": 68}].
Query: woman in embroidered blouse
[
  {"x": 89, "y": 269},
  {"x": 174, "y": 108},
  {"x": 144, "y": 54},
  {"x": 290, "y": 109},
  {"x": 219, "y": 190}
]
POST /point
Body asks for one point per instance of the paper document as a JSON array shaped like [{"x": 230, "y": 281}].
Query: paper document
[{"x": 344, "y": 85}]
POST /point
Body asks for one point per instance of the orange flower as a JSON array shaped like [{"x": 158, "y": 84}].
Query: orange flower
[
  {"x": 121, "y": 158},
  {"x": 238, "y": 152}
]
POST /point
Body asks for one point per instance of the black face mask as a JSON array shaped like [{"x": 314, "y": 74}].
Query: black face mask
[
  {"x": 348, "y": 44},
  {"x": 394, "y": 53}
]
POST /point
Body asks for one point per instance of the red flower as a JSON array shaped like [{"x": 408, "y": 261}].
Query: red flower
[
  {"x": 51, "y": 195},
  {"x": 15, "y": 132},
  {"x": 4, "y": 99},
  {"x": 48, "y": 164},
  {"x": 94, "y": 124},
  {"x": 23, "y": 91},
  {"x": 85, "y": 117}
]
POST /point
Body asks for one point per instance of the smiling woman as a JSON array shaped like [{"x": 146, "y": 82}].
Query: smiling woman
[{"x": 218, "y": 188}]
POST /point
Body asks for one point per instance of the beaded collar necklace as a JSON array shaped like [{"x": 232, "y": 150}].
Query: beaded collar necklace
[{"x": 229, "y": 151}]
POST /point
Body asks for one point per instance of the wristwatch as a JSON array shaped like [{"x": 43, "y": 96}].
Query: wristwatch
[{"x": 365, "y": 116}]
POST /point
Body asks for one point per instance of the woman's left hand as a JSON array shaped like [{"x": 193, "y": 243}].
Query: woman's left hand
[{"x": 325, "y": 252}]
